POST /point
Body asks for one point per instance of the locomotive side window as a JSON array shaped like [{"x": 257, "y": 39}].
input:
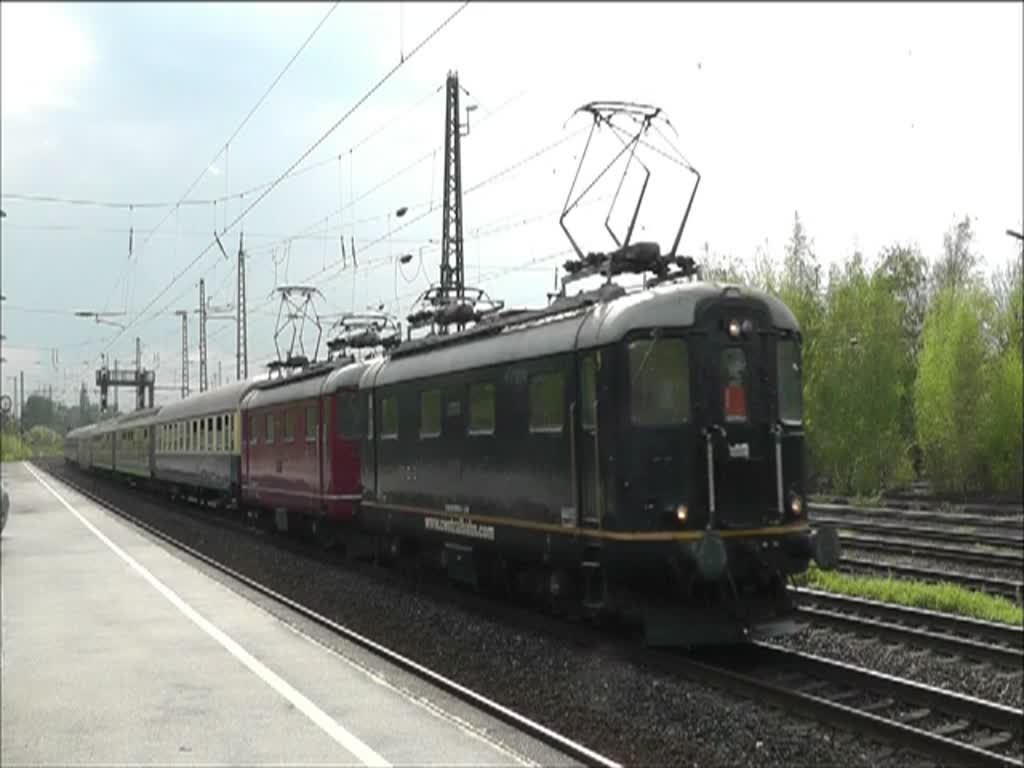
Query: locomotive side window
[
  {"x": 734, "y": 384},
  {"x": 547, "y": 409},
  {"x": 270, "y": 427},
  {"x": 481, "y": 409},
  {"x": 389, "y": 417},
  {"x": 659, "y": 382},
  {"x": 791, "y": 403},
  {"x": 289, "y": 426},
  {"x": 430, "y": 413},
  {"x": 310, "y": 422},
  {"x": 254, "y": 431},
  {"x": 588, "y": 392}
]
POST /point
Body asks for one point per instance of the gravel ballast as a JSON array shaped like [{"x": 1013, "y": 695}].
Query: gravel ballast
[
  {"x": 599, "y": 696},
  {"x": 926, "y": 666}
]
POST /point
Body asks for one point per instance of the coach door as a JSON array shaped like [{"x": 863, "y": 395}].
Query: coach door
[{"x": 587, "y": 453}]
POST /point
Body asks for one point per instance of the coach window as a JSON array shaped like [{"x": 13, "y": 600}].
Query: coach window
[
  {"x": 219, "y": 432},
  {"x": 791, "y": 403},
  {"x": 210, "y": 434},
  {"x": 547, "y": 407},
  {"x": 481, "y": 409},
  {"x": 430, "y": 413},
  {"x": 310, "y": 423},
  {"x": 389, "y": 418},
  {"x": 659, "y": 382},
  {"x": 193, "y": 443},
  {"x": 231, "y": 432}
]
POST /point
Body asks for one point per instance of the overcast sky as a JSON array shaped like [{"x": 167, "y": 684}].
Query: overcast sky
[{"x": 879, "y": 123}]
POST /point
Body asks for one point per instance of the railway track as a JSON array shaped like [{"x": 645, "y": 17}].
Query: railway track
[
  {"x": 952, "y": 727},
  {"x": 972, "y": 556},
  {"x": 952, "y": 534},
  {"x": 1003, "y": 587},
  {"x": 898, "y": 514},
  {"x": 543, "y": 734},
  {"x": 998, "y": 644},
  {"x": 928, "y": 720}
]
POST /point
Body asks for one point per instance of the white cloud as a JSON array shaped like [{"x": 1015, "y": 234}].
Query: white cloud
[{"x": 45, "y": 52}]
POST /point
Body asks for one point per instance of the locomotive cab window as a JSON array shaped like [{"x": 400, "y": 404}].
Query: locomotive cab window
[
  {"x": 547, "y": 407},
  {"x": 430, "y": 413},
  {"x": 659, "y": 382},
  {"x": 481, "y": 409},
  {"x": 791, "y": 404}
]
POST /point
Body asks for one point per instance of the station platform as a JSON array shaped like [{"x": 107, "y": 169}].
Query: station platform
[{"x": 117, "y": 650}]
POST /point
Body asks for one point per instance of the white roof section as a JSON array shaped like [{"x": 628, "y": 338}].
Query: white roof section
[{"x": 214, "y": 401}]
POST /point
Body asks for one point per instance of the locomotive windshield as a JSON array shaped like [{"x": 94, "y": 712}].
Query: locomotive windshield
[
  {"x": 791, "y": 402},
  {"x": 660, "y": 378}
]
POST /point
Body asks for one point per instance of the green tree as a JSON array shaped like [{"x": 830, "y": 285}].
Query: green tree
[
  {"x": 857, "y": 393},
  {"x": 43, "y": 441},
  {"x": 958, "y": 264},
  {"x": 39, "y": 411},
  {"x": 952, "y": 389},
  {"x": 1004, "y": 425},
  {"x": 1009, "y": 296},
  {"x": 715, "y": 267}
]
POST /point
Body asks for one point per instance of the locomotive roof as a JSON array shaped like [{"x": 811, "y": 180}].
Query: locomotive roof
[
  {"x": 578, "y": 327},
  {"x": 226, "y": 398},
  {"x": 345, "y": 376},
  {"x": 299, "y": 387}
]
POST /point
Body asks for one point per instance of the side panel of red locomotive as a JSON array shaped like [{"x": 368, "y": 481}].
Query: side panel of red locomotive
[{"x": 295, "y": 456}]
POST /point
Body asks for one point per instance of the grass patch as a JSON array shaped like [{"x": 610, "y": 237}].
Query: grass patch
[{"x": 948, "y": 598}]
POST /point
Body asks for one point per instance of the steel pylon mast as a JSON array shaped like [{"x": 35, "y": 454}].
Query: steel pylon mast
[
  {"x": 453, "y": 276},
  {"x": 203, "y": 384},
  {"x": 183, "y": 314},
  {"x": 241, "y": 340}
]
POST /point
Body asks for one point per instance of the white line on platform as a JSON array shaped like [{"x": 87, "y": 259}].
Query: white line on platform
[{"x": 331, "y": 727}]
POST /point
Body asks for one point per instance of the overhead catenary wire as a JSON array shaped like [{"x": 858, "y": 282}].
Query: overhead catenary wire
[
  {"x": 252, "y": 111},
  {"x": 387, "y": 76}
]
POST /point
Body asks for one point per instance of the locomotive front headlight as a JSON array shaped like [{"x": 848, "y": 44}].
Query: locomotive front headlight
[
  {"x": 734, "y": 328},
  {"x": 796, "y": 505},
  {"x": 682, "y": 513}
]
